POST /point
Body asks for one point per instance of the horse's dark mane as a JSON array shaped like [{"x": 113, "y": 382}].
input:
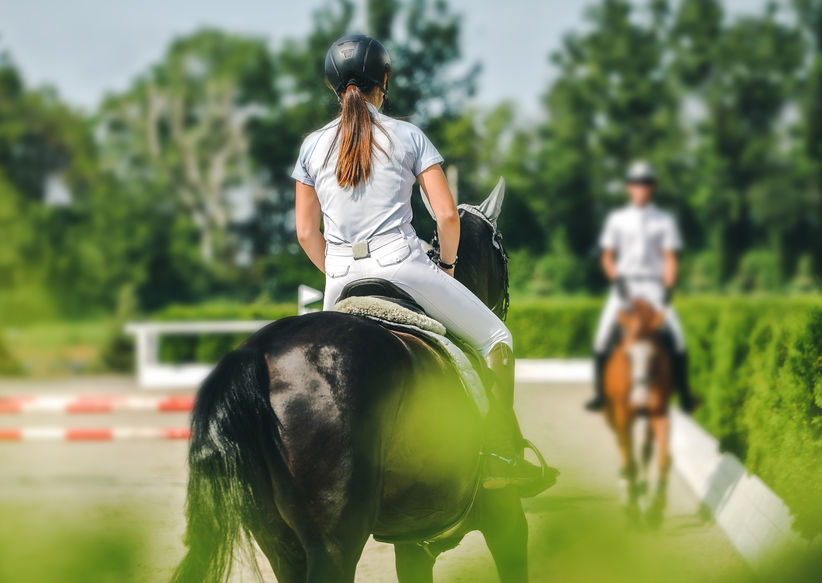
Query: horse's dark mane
[{"x": 482, "y": 260}]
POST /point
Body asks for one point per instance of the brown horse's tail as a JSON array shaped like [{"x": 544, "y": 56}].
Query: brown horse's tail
[{"x": 229, "y": 484}]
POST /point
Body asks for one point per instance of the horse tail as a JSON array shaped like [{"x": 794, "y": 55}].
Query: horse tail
[{"x": 232, "y": 427}]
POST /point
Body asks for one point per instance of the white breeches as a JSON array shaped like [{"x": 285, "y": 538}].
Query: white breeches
[
  {"x": 648, "y": 290},
  {"x": 403, "y": 262}
]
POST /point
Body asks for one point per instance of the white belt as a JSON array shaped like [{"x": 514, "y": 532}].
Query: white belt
[
  {"x": 642, "y": 277},
  {"x": 363, "y": 249}
]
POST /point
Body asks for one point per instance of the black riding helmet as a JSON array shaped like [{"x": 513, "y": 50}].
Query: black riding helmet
[{"x": 358, "y": 60}]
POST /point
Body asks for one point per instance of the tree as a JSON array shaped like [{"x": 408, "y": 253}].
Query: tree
[
  {"x": 808, "y": 128},
  {"x": 47, "y": 174},
  {"x": 182, "y": 129},
  {"x": 40, "y": 138},
  {"x": 746, "y": 195},
  {"x": 610, "y": 103}
]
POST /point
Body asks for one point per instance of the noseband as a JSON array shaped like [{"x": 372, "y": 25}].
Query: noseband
[{"x": 504, "y": 300}]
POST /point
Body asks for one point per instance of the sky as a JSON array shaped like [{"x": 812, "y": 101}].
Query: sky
[{"x": 86, "y": 48}]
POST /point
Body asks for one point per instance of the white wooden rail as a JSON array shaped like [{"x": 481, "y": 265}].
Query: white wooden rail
[{"x": 151, "y": 373}]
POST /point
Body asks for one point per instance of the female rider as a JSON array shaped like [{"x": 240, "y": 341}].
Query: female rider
[{"x": 355, "y": 175}]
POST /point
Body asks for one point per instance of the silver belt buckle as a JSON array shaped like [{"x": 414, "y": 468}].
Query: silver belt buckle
[{"x": 360, "y": 250}]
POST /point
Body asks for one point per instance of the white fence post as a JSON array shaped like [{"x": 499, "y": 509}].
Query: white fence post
[
  {"x": 307, "y": 295},
  {"x": 151, "y": 373}
]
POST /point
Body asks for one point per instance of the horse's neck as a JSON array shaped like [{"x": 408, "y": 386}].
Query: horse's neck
[
  {"x": 477, "y": 263},
  {"x": 474, "y": 276}
]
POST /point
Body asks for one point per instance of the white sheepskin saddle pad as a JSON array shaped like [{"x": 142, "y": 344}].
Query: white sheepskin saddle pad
[{"x": 388, "y": 311}]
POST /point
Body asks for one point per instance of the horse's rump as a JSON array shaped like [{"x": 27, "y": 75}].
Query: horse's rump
[{"x": 364, "y": 408}]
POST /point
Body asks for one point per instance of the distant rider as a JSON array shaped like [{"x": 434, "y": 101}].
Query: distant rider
[{"x": 640, "y": 245}]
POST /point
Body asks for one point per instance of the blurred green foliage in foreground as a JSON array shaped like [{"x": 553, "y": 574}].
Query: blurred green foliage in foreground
[
  {"x": 36, "y": 547},
  {"x": 577, "y": 539}
]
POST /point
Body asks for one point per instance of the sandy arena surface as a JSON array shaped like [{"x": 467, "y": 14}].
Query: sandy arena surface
[{"x": 141, "y": 485}]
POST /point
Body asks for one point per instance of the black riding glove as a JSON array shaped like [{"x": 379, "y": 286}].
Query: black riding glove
[
  {"x": 622, "y": 288},
  {"x": 669, "y": 295}
]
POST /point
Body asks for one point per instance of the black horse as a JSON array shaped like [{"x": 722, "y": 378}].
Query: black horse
[{"x": 323, "y": 429}]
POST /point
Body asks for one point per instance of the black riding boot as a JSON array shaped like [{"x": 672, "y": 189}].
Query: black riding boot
[
  {"x": 598, "y": 402},
  {"x": 680, "y": 372},
  {"x": 506, "y": 465}
]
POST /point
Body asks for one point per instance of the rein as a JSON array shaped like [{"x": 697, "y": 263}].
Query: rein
[{"x": 504, "y": 300}]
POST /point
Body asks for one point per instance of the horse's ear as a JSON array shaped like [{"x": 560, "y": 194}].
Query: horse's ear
[{"x": 492, "y": 206}]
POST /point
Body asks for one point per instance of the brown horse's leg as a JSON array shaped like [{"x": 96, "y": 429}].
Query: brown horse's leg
[
  {"x": 648, "y": 446},
  {"x": 414, "y": 564},
  {"x": 660, "y": 426},
  {"x": 623, "y": 422},
  {"x": 505, "y": 530}
]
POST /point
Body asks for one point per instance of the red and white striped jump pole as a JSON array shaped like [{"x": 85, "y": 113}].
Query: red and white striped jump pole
[
  {"x": 92, "y": 434},
  {"x": 86, "y": 404}
]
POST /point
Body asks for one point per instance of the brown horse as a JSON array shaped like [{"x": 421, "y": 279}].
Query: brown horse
[{"x": 638, "y": 382}]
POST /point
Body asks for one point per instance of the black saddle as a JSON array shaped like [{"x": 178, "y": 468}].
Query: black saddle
[{"x": 380, "y": 288}]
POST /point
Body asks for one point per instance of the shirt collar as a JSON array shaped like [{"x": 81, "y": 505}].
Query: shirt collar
[
  {"x": 372, "y": 108},
  {"x": 648, "y": 208}
]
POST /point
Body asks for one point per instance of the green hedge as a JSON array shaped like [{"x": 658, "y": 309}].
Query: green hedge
[
  {"x": 756, "y": 362},
  {"x": 553, "y": 328}
]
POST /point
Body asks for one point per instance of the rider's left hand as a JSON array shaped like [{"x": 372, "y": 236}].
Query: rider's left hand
[
  {"x": 448, "y": 271},
  {"x": 669, "y": 295}
]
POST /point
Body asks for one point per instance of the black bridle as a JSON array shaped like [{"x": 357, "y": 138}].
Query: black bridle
[{"x": 503, "y": 302}]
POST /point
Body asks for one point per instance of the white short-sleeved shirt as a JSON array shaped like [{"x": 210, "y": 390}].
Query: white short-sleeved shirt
[
  {"x": 381, "y": 203},
  {"x": 640, "y": 236}
]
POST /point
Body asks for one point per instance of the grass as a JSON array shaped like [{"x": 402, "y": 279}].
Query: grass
[{"x": 58, "y": 348}]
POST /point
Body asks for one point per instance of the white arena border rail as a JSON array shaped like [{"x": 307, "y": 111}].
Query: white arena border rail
[
  {"x": 152, "y": 374},
  {"x": 754, "y": 518}
]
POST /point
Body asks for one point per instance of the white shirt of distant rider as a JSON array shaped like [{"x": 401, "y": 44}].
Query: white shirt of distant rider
[{"x": 640, "y": 236}]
